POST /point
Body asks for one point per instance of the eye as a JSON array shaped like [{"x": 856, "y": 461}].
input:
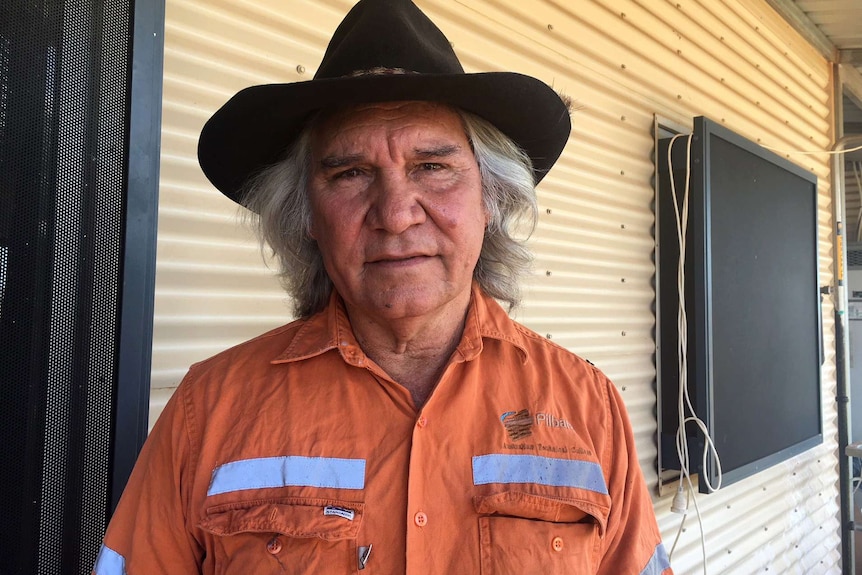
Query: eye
[
  {"x": 430, "y": 166},
  {"x": 347, "y": 174}
]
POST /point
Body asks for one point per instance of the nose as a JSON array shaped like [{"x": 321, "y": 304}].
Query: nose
[{"x": 396, "y": 204}]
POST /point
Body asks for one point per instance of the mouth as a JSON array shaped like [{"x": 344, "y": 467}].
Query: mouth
[{"x": 399, "y": 260}]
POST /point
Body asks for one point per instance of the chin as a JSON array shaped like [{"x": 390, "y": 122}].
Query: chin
[
  {"x": 396, "y": 308},
  {"x": 407, "y": 298},
  {"x": 404, "y": 302}
]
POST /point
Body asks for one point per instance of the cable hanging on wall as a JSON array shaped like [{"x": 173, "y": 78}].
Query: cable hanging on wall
[
  {"x": 686, "y": 411},
  {"x": 736, "y": 247},
  {"x": 812, "y": 152}
]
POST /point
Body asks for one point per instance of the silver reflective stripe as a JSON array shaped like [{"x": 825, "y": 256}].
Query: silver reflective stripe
[
  {"x": 658, "y": 562},
  {"x": 109, "y": 562},
  {"x": 501, "y": 468},
  {"x": 288, "y": 470}
]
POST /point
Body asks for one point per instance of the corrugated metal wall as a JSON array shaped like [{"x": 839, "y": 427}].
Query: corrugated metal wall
[{"x": 623, "y": 62}]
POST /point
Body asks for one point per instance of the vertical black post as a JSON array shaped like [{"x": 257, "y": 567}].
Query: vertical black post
[
  {"x": 844, "y": 472},
  {"x": 139, "y": 264}
]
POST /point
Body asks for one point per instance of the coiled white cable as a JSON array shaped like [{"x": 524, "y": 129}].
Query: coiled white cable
[{"x": 680, "y": 503}]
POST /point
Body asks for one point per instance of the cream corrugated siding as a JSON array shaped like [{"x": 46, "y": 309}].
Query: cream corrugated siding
[{"x": 592, "y": 290}]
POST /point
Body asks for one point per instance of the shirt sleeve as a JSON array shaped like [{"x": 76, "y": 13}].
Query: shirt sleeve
[
  {"x": 632, "y": 543},
  {"x": 149, "y": 532}
]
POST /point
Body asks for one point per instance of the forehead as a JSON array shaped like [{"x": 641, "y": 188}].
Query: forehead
[{"x": 359, "y": 125}]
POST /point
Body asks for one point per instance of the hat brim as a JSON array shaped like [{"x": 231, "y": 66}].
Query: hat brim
[{"x": 255, "y": 127}]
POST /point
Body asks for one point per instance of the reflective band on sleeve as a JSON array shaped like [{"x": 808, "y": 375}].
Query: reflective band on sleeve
[
  {"x": 109, "y": 562},
  {"x": 539, "y": 470},
  {"x": 658, "y": 562},
  {"x": 291, "y": 470}
]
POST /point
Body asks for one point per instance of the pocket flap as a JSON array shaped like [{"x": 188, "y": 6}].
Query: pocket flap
[
  {"x": 325, "y": 519},
  {"x": 541, "y": 507}
]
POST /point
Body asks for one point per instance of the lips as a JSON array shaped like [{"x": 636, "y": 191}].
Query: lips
[
  {"x": 393, "y": 258},
  {"x": 395, "y": 262}
]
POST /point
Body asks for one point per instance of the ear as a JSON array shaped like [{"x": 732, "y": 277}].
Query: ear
[{"x": 310, "y": 229}]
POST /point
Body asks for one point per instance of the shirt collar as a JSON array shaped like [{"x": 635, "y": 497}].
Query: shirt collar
[
  {"x": 330, "y": 329},
  {"x": 487, "y": 319}
]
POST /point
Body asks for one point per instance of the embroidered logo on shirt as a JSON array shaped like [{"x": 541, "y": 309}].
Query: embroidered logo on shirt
[
  {"x": 518, "y": 424},
  {"x": 348, "y": 514},
  {"x": 551, "y": 420}
]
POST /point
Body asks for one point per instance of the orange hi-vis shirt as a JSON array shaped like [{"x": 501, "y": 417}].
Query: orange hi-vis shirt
[{"x": 295, "y": 453}]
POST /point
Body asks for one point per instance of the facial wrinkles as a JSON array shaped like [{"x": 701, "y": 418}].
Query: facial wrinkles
[
  {"x": 390, "y": 142},
  {"x": 396, "y": 197},
  {"x": 380, "y": 118},
  {"x": 395, "y": 154},
  {"x": 391, "y": 152}
]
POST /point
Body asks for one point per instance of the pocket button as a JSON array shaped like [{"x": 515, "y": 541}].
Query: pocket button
[
  {"x": 421, "y": 519},
  {"x": 557, "y": 543},
  {"x": 273, "y": 546}
]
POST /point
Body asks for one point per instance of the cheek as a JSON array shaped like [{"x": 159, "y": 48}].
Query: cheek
[
  {"x": 336, "y": 229},
  {"x": 315, "y": 220},
  {"x": 460, "y": 213},
  {"x": 325, "y": 216},
  {"x": 321, "y": 226},
  {"x": 472, "y": 234}
]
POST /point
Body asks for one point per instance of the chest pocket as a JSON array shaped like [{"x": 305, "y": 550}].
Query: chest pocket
[
  {"x": 290, "y": 536},
  {"x": 525, "y": 533}
]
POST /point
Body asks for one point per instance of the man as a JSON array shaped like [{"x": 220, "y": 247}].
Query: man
[{"x": 403, "y": 424}]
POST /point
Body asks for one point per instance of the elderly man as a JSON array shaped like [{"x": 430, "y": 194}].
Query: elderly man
[{"x": 404, "y": 423}]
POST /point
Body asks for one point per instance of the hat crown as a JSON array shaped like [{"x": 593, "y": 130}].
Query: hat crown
[
  {"x": 387, "y": 34},
  {"x": 383, "y": 51}
]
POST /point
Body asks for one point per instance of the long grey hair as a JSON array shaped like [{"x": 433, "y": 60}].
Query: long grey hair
[{"x": 281, "y": 213}]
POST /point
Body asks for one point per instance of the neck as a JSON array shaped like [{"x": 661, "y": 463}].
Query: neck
[{"x": 414, "y": 351}]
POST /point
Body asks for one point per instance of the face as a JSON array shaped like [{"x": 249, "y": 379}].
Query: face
[{"x": 397, "y": 209}]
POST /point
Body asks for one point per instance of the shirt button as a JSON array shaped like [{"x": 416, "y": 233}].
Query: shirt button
[
  {"x": 273, "y": 546},
  {"x": 420, "y": 519},
  {"x": 557, "y": 543},
  {"x": 423, "y": 421}
]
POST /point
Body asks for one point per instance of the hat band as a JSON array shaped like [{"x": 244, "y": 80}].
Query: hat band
[{"x": 379, "y": 71}]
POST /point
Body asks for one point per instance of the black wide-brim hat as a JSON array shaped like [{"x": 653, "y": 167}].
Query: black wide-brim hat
[{"x": 383, "y": 51}]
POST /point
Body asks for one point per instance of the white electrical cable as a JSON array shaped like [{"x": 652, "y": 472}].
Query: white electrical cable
[
  {"x": 813, "y": 152},
  {"x": 684, "y": 400},
  {"x": 686, "y": 486}
]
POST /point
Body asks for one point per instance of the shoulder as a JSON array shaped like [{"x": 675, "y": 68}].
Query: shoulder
[
  {"x": 541, "y": 349},
  {"x": 264, "y": 347},
  {"x": 237, "y": 374},
  {"x": 549, "y": 372},
  {"x": 495, "y": 324}
]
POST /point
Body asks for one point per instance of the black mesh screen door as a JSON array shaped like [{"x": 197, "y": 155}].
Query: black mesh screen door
[{"x": 76, "y": 225}]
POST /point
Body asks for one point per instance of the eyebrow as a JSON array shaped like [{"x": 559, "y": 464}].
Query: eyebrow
[
  {"x": 438, "y": 152},
  {"x": 338, "y": 161}
]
